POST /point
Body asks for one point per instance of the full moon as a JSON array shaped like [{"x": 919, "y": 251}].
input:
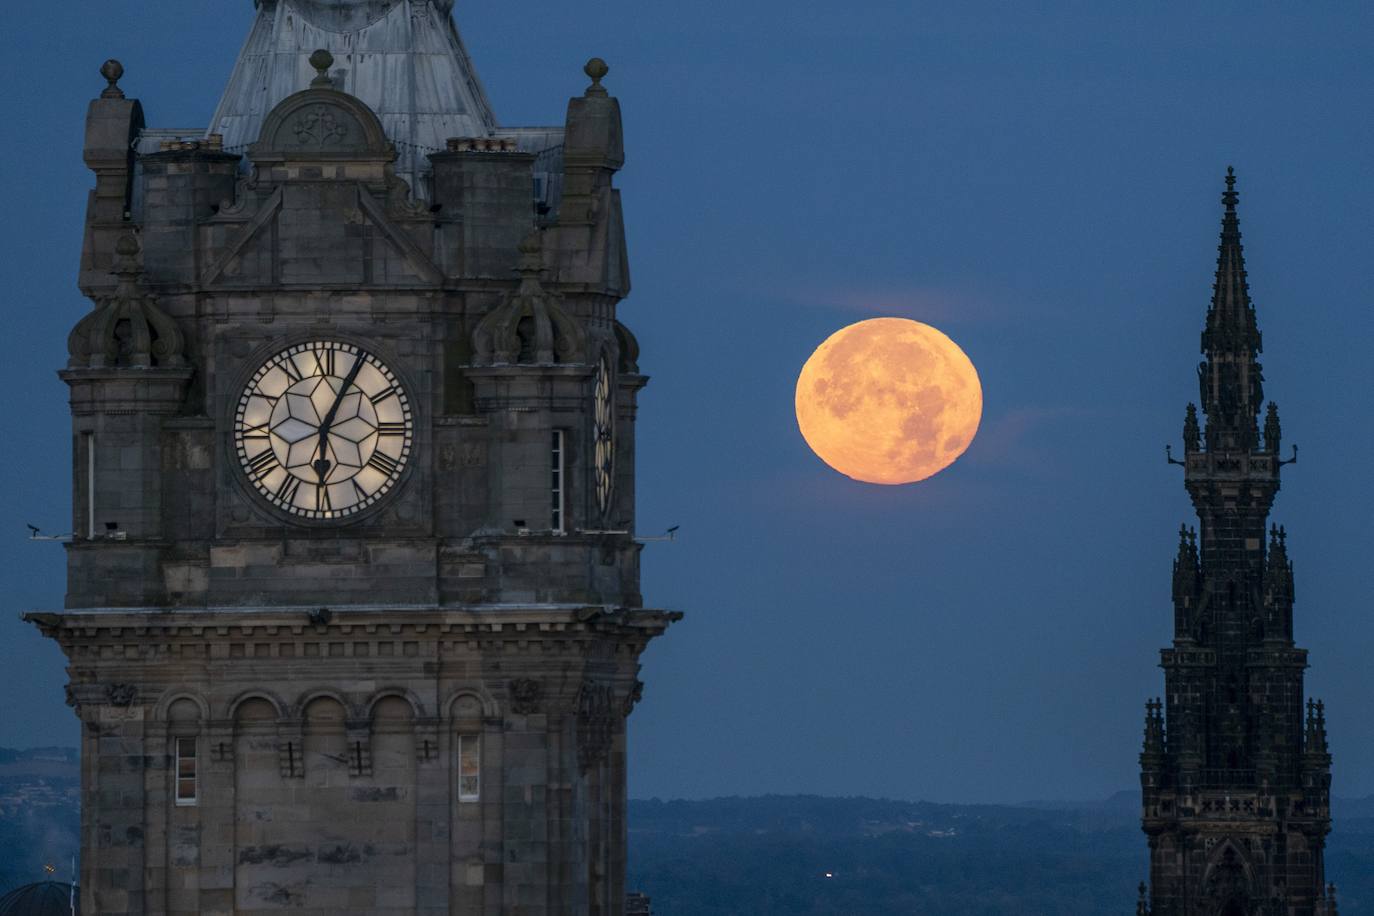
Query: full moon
[{"x": 889, "y": 401}]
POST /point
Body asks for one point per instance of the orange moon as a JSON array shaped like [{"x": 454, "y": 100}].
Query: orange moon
[{"x": 889, "y": 401}]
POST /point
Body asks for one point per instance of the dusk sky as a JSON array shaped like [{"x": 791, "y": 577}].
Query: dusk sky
[{"x": 1039, "y": 181}]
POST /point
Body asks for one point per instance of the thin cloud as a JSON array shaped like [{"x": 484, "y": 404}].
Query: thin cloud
[{"x": 1024, "y": 438}]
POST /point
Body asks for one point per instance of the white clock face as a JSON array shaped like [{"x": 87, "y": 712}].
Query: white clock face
[
  {"x": 603, "y": 419},
  {"x": 323, "y": 429}
]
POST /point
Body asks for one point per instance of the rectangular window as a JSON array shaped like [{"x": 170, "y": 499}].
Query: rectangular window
[
  {"x": 556, "y": 481},
  {"x": 186, "y": 771},
  {"x": 88, "y": 442},
  {"x": 469, "y": 767}
]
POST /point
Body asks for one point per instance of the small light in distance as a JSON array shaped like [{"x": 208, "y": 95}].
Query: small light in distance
[{"x": 830, "y": 874}]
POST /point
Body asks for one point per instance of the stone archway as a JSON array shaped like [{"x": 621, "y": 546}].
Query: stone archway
[{"x": 1229, "y": 883}]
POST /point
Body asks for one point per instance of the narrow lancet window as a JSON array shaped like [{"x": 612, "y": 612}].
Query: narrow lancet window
[
  {"x": 556, "y": 481},
  {"x": 469, "y": 768},
  {"x": 186, "y": 771},
  {"x": 88, "y": 444}
]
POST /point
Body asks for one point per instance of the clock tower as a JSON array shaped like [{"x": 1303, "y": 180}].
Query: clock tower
[{"x": 353, "y": 612}]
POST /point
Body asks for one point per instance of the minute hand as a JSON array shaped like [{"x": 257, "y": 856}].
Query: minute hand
[{"x": 322, "y": 464}]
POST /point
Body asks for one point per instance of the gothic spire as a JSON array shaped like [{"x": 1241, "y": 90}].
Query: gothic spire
[
  {"x": 1316, "y": 728},
  {"x": 1231, "y": 384},
  {"x": 1186, "y": 570},
  {"x": 1154, "y": 746}
]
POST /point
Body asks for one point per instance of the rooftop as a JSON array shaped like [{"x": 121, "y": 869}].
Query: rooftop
[{"x": 403, "y": 58}]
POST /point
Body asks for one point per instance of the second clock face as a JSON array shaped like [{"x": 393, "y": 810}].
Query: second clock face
[
  {"x": 323, "y": 429},
  {"x": 603, "y": 431}
]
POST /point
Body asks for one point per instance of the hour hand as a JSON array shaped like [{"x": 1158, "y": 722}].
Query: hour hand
[{"x": 322, "y": 464}]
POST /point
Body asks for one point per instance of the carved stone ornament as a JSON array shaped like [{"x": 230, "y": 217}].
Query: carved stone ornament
[
  {"x": 634, "y": 696},
  {"x": 595, "y": 723},
  {"x": 1227, "y": 881},
  {"x": 126, "y": 329},
  {"x": 525, "y": 694},
  {"x": 121, "y": 695},
  {"x": 321, "y": 122},
  {"x": 322, "y": 126},
  {"x": 530, "y": 326}
]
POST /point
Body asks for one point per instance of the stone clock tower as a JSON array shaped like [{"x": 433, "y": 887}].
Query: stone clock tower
[{"x": 353, "y": 611}]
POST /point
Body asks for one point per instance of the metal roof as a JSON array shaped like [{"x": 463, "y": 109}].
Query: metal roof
[{"x": 403, "y": 58}]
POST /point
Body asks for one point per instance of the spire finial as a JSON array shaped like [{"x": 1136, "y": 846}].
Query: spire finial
[
  {"x": 112, "y": 70},
  {"x": 597, "y": 69},
  {"x": 321, "y": 60},
  {"x": 1231, "y": 379}
]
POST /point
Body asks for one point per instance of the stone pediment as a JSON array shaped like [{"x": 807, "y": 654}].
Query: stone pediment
[
  {"x": 321, "y": 124},
  {"x": 318, "y": 234}
]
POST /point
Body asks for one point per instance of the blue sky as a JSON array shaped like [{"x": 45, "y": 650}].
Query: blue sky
[{"x": 1039, "y": 181}]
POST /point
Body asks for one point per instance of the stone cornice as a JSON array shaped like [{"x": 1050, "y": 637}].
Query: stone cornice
[{"x": 498, "y": 622}]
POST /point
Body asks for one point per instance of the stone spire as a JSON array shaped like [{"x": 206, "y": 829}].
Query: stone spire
[
  {"x": 1234, "y": 782},
  {"x": 1278, "y": 578},
  {"x": 1230, "y": 380},
  {"x": 1315, "y": 740},
  {"x": 1153, "y": 747}
]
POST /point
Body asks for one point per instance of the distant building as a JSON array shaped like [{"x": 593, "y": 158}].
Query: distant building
[
  {"x": 353, "y": 610},
  {"x": 1235, "y": 774}
]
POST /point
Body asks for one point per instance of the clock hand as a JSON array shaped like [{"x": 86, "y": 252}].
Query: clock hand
[{"x": 322, "y": 464}]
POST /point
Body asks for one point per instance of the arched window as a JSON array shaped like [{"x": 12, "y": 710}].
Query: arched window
[
  {"x": 183, "y": 733},
  {"x": 326, "y": 742},
  {"x": 393, "y": 742},
  {"x": 467, "y": 740}
]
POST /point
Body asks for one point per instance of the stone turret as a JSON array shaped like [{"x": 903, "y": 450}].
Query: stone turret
[{"x": 112, "y": 124}]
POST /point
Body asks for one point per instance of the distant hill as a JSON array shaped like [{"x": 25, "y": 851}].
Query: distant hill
[
  {"x": 799, "y": 855},
  {"x": 813, "y": 856}
]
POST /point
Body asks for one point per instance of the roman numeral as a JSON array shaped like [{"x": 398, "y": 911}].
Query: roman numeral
[
  {"x": 262, "y": 465},
  {"x": 384, "y": 463},
  {"x": 254, "y": 433},
  {"x": 382, "y": 395},
  {"x": 324, "y": 361},
  {"x": 391, "y": 429},
  {"x": 322, "y": 502},
  {"x": 287, "y": 491},
  {"x": 288, "y": 366},
  {"x": 357, "y": 488}
]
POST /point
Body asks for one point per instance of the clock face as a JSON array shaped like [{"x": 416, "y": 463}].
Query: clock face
[
  {"x": 603, "y": 414},
  {"x": 323, "y": 429}
]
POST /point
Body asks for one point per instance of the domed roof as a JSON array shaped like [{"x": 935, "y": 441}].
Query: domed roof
[{"x": 45, "y": 898}]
